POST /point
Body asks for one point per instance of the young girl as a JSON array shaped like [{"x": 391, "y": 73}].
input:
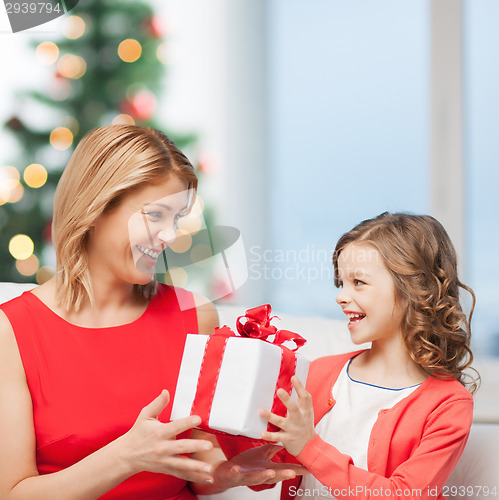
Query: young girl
[{"x": 393, "y": 420}]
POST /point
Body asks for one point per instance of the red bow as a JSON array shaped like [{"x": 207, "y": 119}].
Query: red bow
[{"x": 257, "y": 326}]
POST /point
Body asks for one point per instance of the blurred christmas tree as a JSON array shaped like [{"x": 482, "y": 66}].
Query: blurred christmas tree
[{"x": 100, "y": 77}]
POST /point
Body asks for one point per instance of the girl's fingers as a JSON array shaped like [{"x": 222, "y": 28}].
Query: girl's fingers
[
  {"x": 273, "y": 437},
  {"x": 273, "y": 418},
  {"x": 269, "y": 450},
  {"x": 299, "y": 388}
]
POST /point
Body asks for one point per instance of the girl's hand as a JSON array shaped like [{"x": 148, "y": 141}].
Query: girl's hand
[
  {"x": 150, "y": 445},
  {"x": 297, "y": 428},
  {"x": 253, "y": 467}
]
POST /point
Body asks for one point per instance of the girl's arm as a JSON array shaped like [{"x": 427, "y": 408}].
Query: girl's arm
[
  {"x": 149, "y": 446},
  {"x": 424, "y": 473}
]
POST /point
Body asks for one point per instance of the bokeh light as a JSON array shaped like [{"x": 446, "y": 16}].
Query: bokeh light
[
  {"x": 29, "y": 266},
  {"x": 176, "y": 276},
  {"x": 123, "y": 119},
  {"x": 10, "y": 188},
  {"x": 129, "y": 50},
  {"x": 163, "y": 53},
  {"x": 71, "y": 123},
  {"x": 144, "y": 103},
  {"x": 16, "y": 193},
  {"x": 61, "y": 138},
  {"x": 21, "y": 246},
  {"x": 44, "y": 274},
  {"x": 72, "y": 66},
  {"x": 47, "y": 52},
  {"x": 197, "y": 207},
  {"x": 60, "y": 89},
  {"x": 182, "y": 243},
  {"x": 190, "y": 224},
  {"x": 35, "y": 176},
  {"x": 73, "y": 27},
  {"x": 9, "y": 176}
]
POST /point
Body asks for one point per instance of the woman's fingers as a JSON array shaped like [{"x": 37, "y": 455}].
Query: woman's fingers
[
  {"x": 188, "y": 469},
  {"x": 183, "y": 446},
  {"x": 156, "y": 406},
  {"x": 176, "y": 427}
]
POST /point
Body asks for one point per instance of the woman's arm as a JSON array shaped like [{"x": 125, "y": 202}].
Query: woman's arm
[{"x": 150, "y": 445}]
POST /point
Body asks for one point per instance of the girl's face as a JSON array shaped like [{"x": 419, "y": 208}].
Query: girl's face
[
  {"x": 127, "y": 241},
  {"x": 367, "y": 295}
]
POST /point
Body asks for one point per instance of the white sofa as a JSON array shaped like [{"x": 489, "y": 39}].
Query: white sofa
[{"x": 479, "y": 465}]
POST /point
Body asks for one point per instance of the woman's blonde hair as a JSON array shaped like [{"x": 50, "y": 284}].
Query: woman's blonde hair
[
  {"x": 421, "y": 258},
  {"x": 108, "y": 163}
]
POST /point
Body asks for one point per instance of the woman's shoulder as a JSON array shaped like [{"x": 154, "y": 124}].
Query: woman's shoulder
[
  {"x": 189, "y": 302},
  {"x": 9, "y": 352}
]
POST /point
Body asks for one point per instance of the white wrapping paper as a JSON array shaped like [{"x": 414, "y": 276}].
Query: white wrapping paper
[{"x": 246, "y": 383}]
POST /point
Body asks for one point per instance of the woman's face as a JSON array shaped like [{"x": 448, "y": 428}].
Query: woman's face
[{"x": 127, "y": 241}]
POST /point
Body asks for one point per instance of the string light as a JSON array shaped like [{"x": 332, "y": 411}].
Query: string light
[
  {"x": 47, "y": 53},
  {"x": 35, "y": 176},
  {"x": 73, "y": 27},
  {"x": 72, "y": 66},
  {"x": 129, "y": 50},
  {"x": 123, "y": 119},
  {"x": 61, "y": 138},
  {"x": 29, "y": 266},
  {"x": 21, "y": 246}
]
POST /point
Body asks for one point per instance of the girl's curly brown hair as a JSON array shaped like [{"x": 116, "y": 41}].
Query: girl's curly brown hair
[{"x": 421, "y": 258}]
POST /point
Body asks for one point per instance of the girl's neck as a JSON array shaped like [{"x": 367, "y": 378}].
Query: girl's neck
[{"x": 387, "y": 365}]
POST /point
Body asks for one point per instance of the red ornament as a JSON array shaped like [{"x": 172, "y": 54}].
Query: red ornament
[
  {"x": 141, "y": 106},
  {"x": 153, "y": 27},
  {"x": 47, "y": 232}
]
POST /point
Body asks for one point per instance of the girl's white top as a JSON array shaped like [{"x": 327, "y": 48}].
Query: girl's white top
[{"x": 349, "y": 424}]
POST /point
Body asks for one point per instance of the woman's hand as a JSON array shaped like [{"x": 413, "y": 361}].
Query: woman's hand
[
  {"x": 297, "y": 428},
  {"x": 253, "y": 467},
  {"x": 151, "y": 445}
]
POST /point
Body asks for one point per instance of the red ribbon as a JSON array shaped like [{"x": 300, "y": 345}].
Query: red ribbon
[{"x": 257, "y": 326}]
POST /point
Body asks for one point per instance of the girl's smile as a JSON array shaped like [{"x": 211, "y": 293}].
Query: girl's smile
[{"x": 368, "y": 295}]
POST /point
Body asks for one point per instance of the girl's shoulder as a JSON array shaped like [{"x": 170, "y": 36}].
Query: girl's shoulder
[
  {"x": 332, "y": 363},
  {"x": 324, "y": 371},
  {"x": 445, "y": 390}
]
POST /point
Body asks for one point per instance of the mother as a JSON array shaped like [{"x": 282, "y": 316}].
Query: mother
[{"x": 85, "y": 357}]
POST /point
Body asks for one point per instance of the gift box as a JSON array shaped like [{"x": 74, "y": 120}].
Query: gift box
[{"x": 226, "y": 378}]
